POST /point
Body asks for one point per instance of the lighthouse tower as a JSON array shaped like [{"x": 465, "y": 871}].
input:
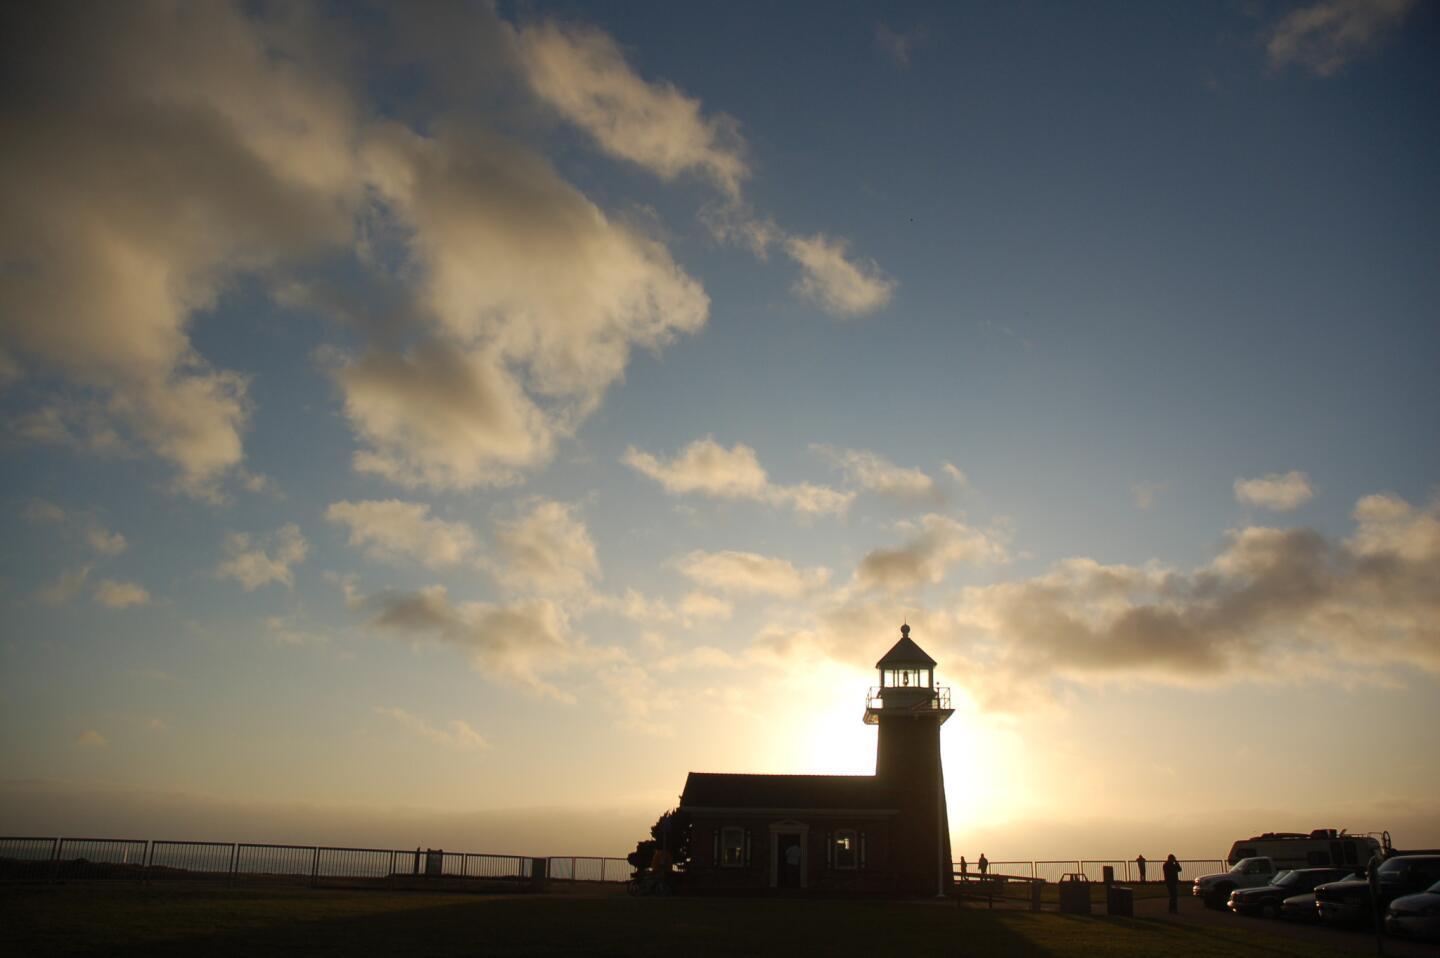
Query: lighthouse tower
[{"x": 909, "y": 709}]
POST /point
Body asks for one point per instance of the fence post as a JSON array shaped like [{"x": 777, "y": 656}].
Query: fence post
[
  {"x": 145, "y": 866},
  {"x": 234, "y": 862},
  {"x": 315, "y": 869},
  {"x": 392, "y": 868}
]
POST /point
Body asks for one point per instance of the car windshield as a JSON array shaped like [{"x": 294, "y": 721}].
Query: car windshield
[
  {"x": 1239, "y": 867},
  {"x": 1394, "y": 868},
  {"x": 1434, "y": 889},
  {"x": 1285, "y": 879}
]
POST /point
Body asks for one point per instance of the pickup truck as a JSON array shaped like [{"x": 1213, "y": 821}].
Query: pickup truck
[{"x": 1246, "y": 873}]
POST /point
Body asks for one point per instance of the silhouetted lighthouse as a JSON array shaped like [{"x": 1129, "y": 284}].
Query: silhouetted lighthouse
[{"x": 910, "y": 708}]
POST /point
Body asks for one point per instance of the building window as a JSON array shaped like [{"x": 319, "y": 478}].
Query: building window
[
  {"x": 732, "y": 847},
  {"x": 846, "y": 849}
]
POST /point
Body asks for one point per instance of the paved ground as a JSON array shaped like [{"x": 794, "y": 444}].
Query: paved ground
[{"x": 1358, "y": 941}]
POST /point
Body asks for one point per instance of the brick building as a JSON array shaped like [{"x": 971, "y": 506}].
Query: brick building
[{"x": 886, "y": 833}]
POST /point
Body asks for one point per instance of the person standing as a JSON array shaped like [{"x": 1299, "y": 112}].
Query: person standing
[
  {"x": 964, "y": 868},
  {"x": 984, "y": 865},
  {"x": 1140, "y": 863},
  {"x": 1172, "y": 883}
]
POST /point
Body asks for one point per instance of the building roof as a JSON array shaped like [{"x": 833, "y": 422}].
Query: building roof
[
  {"x": 905, "y": 652},
  {"x": 727, "y": 790}
]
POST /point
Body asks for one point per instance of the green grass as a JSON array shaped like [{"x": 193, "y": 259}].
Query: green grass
[{"x": 292, "y": 921}]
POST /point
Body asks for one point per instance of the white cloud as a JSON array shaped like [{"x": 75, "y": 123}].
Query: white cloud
[
  {"x": 150, "y": 157},
  {"x": 874, "y": 473},
  {"x": 393, "y": 530},
  {"x": 457, "y": 734},
  {"x": 835, "y": 282},
  {"x": 254, "y": 563},
  {"x": 1325, "y": 36},
  {"x": 936, "y": 543},
  {"x": 539, "y": 297},
  {"x": 751, "y": 573},
  {"x": 1281, "y": 492},
  {"x": 547, "y": 550},
  {"x": 120, "y": 595},
  {"x": 91, "y": 739},
  {"x": 582, "y": 74},
  {"x": 707, "y": 468},
  {"x": 1276, "y": 604}
]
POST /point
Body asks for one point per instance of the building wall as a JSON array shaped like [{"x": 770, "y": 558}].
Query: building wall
[{"x": 875, "y": 875}]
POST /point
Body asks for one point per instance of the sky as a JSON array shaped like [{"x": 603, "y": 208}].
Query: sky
[{"x": 452, "y": 423}]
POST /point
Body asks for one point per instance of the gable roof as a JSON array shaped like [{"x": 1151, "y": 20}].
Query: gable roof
[
  {"x": 731, "y": 790},
  {"x": 905, "y": 652}
]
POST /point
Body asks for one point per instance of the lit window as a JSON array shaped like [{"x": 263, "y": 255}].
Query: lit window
[
  {"x": 732, "y": 847},
  {"x": 847, "y": 847}
]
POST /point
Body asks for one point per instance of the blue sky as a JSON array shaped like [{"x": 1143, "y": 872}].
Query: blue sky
[{"x": 414, "y": 414}]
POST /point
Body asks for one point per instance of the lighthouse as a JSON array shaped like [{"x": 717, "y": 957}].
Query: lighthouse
[
  {"x": 909, "y": 709},
  {"x": 881, "y": 834}
]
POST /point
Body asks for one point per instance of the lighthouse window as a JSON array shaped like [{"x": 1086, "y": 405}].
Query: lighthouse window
[
  {"x": 732, "y": 847},
  {"x": 847, "y": 846}
]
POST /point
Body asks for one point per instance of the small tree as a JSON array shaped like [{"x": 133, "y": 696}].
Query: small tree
[{"x": 672, "y": 832}]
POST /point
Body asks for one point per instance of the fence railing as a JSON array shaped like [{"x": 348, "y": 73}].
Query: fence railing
[
  {"x": 61, "y": 859},
  {"x": 1125, "y": 869}
]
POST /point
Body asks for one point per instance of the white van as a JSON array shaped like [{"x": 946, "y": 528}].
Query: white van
[{"x": 1321, "y": 847}]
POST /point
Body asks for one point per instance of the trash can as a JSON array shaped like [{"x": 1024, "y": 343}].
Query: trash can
[
  {"x": 1074, "y": 894},
  {"x": 1120, "y": 901}
]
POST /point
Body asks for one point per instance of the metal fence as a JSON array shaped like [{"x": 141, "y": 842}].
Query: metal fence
[
  {"x": 1125, "y": 869},
  {"x": 61, "y": 859}
]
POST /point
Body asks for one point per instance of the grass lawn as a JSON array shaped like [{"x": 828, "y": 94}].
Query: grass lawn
[{"x": 53, "y": 920}]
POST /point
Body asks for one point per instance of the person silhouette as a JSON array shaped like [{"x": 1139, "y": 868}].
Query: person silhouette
[
  {"x": 1172, "y": 883},
  {"x": 964, "y": 868},
  {"x": 1140, "y": 863},
  {"x": 984, "y": 865}
]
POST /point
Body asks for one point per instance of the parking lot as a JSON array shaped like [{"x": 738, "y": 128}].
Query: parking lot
[{"x": 1359, "y": 941}]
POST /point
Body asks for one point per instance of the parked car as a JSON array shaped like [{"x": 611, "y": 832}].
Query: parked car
[
  {"x": 1265, "y": 900},
  {"x": 1302, "y": 907},
  {"x": 1415, "y": 916},
  {"x": 1349, "y": 901},
  {"x": 1246, "y": 873}
]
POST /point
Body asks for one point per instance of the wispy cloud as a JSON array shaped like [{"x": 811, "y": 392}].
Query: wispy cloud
[
  {"x": 707, "y": 468},
  {"x": 255, "y": 562},
  {"x": 120, "y": 595},
  {"x": 839, "y": 283},
  {"x": 581, "y": 73},
  {"x": 1279, "y": 491},
  {"x": 548, "y": 549},
  {"x": 393, "y": 530},
  {"x": 935, "y": 543},
  {"x": 65, "y": 587},
  {"x": 91, "y": 739},
  {"x": 1325, "y": 36},
  {"x": 455, "y": 734},
  {"x": 897, "y": 45},
  {"x": 874, "y": 473},
  {"x": 750, "y": 573}
]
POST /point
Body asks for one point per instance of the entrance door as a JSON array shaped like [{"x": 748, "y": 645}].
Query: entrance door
[{"x": 789, "y": 859}]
